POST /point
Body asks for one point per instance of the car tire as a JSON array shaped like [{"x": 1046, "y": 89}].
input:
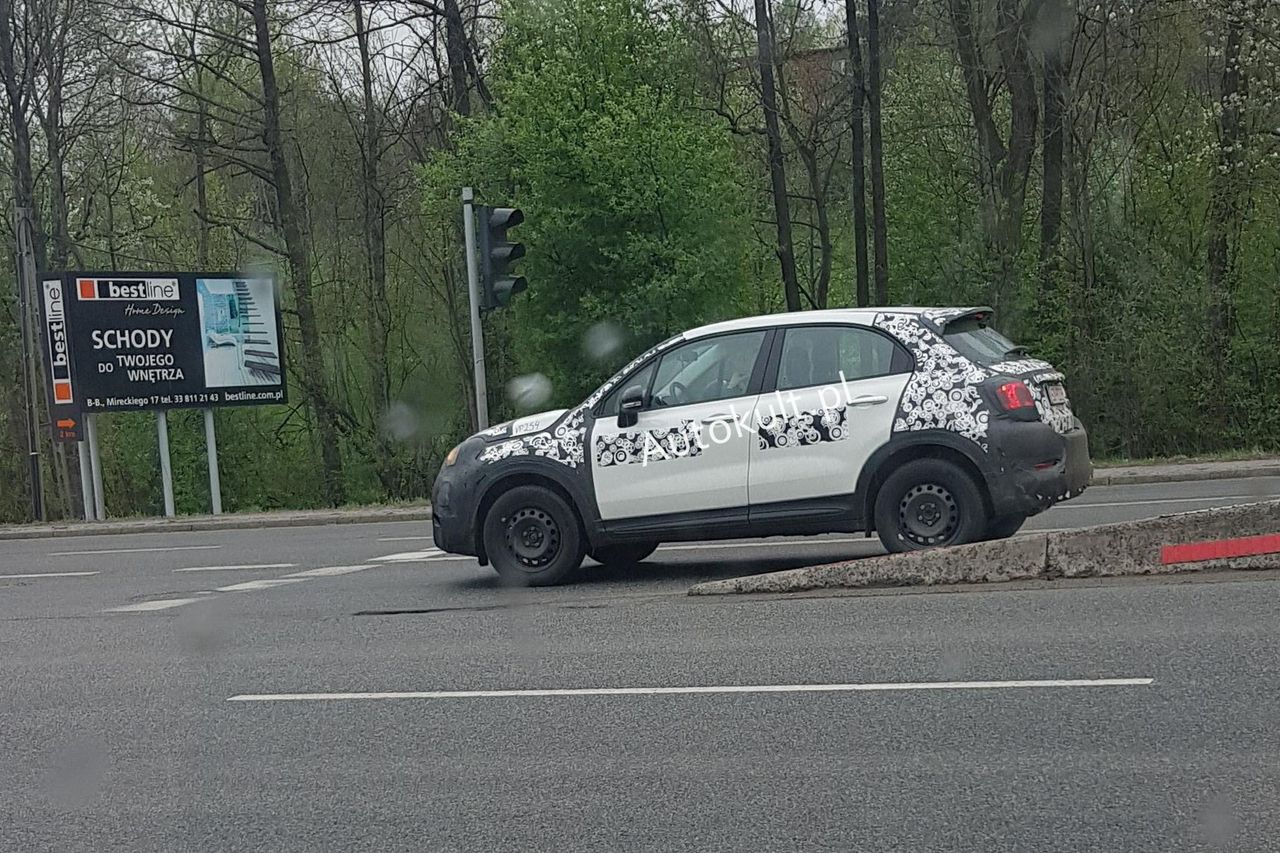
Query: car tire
[
  {"x": 532, "y": 537},
  {"x": 621, "y": 556},
  {"x": 1004, "y": 526},
  {"x": 929, "y": 503}
]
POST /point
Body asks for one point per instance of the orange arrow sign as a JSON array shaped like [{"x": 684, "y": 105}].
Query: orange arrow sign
[{"x": 66, "y": 423}]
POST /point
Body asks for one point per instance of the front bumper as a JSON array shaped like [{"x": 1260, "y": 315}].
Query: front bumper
[
  {"x": 1036, "y": 467},
  {"x": 454, "y": 499}
]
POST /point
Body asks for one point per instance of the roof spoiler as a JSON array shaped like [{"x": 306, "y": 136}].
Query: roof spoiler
[{"x": 980, "y": 313}]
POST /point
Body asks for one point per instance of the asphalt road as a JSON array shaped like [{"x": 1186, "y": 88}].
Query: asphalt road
[{"x": 159, "y": 694}]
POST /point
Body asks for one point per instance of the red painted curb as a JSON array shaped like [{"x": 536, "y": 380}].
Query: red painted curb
[{"x": 1194, "y": 552}]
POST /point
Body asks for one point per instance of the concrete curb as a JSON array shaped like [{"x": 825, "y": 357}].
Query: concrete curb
[
  {"x": 1184, "y": 472},
  {"x": 1126, "y": 548},
  {"x": 231, "y": 521}
]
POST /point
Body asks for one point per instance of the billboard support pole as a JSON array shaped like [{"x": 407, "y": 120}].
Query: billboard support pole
[
  {"x": 26, "y": 283},
  {"x": 473, "y": 293},
  {"x": 86, "y": 482},
  {"x": 95, "y": 467},
  {"x": 166, "y": 472},
  {"x": 211, "y": 448}
]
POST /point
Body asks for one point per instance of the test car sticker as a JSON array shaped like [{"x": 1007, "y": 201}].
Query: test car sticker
[
  {"x": 563, "y": 441},
  {"x": 1058, "y": 416},
  {"x": 648, "y": 446},
  {"x": 829, "y": 424},
  {"x": 1019, "y": 366},
  {"x": 563, "y": 444},
  {"x": 943, "y": 392}
]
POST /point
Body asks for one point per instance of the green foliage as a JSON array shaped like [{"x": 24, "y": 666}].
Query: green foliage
[{"x": 631, "y": 196}]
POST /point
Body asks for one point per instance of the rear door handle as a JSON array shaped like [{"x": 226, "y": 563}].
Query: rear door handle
[
  {"x": 868, "y": 400},
  {"x": 715, "y": 419}
]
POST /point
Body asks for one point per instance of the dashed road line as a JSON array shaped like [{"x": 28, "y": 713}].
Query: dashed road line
[
  {"x": 48, "y": 575},
  {"x": 251, "y": 586},
  {"x": 329, "y": 571},
  {"x": 134, "y": 550},
  {"x": 148, "y": 606},
  {"x": 237, "y": 568},
  {"x": 414, "y": 556},
  {"x": 731, "y": 688}
]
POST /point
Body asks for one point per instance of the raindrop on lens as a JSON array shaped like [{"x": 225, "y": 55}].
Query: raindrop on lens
[
  {"x": 530, "y": 391},
  {"x": 602, "y": 341}
]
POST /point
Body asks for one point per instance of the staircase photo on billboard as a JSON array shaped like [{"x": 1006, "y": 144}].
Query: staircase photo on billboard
[{"x": 238, "y": 332}]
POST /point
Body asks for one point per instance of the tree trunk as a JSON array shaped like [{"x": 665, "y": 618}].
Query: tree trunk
[
  {"x": 298, "y": 246},
  {"x": 1002, "y": 172},
  {"x": 777, "y": 171},
  {"x": 1051, "y": 189},
  {"x": 857, "y": 94},
  {"x": 379, "y": 318},
  {"x": 1011, "y": 41},
  {"x": 456, "y": 52},
  {"x": 1224, "y": 214},
  {"x": 879, "y": 231}
]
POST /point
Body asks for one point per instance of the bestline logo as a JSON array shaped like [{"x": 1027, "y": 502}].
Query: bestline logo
[
  {"x": 59, "y": 353},
  {"x": 127, "y": 289}
]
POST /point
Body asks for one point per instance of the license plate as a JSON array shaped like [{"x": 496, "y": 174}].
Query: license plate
[{"x": 1057, "y": 394}]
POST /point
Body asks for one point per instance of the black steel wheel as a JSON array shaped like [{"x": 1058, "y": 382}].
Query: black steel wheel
[
  {"x": 532, "y": 537},
  {"x": 929, "y": 503}
]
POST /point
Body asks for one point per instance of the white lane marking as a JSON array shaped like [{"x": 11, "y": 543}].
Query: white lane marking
[
  {"x": 48, "y": 575},
  {"x": 250, "y": 586},
  {"x": 1082, "y": 505},
  {"x": 409, "y": 556},
  {"x": 328, "y": 572},
  {"x": 733, "y": 688},
  {"x": 404, "y": 538},
  {"x": 147, "y": 606},
  {"x": 766, "y": 544},
  {"x": 237, "y": 568},
  {"x": 135, "y": 550}
]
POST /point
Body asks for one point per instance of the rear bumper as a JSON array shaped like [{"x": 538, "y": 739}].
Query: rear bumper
[{"x": 1036, "y": 467}]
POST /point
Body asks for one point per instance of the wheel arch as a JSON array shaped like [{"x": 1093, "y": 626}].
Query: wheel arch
[
  {"x": 533, "y": 475},
  {"x": 926, "y": 444}
]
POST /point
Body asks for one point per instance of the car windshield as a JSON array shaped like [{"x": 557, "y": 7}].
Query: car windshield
[{"x": 977, "y": 341}]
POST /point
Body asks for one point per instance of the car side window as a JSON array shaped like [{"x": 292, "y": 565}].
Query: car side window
[
  {"x": 700, "y": 371},
  {"x": 820, "y": 355},
  {"x": 609, "y": 408}
]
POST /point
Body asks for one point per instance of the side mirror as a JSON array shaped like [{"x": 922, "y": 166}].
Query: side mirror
[{"x": 630, "y": 405}]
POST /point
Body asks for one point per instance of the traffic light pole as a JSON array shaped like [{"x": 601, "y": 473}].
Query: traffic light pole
[{"x": 473, "y": 292}]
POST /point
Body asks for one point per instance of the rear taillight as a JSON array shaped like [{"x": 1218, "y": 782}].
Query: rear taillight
[{"x": 1015, "y": 395}]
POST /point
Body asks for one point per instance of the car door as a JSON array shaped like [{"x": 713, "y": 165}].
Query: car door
[
  {"x": 830, "y": 404},
  {"x": 690, "y": 446}
]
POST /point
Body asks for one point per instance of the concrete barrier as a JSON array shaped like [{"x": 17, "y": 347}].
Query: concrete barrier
[{"x": 1237, "y": 537}]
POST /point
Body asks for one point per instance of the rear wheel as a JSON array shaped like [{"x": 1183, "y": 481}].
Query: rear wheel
[
  {"x": 1004, "y": 526},
  {"x": 532, "y": 537},
  {"x": 929, "y": 503},
  {"x": 623, "y": 555}
]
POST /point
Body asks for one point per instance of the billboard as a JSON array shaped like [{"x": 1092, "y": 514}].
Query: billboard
[
  {"x": 64, "y": 407},
  {"x": 136, "y": 341}
]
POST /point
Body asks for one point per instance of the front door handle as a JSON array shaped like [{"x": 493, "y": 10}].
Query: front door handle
[
  {"x": 869, "y": 400},
  {"x": 715, "y": 419}
]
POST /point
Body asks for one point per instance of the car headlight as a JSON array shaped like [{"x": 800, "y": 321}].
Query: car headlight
[{"x": 453, "y": 456}]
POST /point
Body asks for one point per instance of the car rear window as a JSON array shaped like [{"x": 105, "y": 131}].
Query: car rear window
[{"x": 977, "y": 341}]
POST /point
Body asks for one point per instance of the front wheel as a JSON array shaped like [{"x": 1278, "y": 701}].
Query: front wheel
[
  {"x": 929, "y": 503},
  {"x": 623, "y": 555},
  {"x": 532, "y": 537}
]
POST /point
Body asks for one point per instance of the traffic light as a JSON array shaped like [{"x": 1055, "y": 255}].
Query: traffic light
[{"x": 497, "y": 254}]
